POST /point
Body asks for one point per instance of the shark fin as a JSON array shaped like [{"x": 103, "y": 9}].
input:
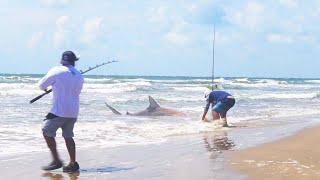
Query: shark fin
[
  {"x": 128, "y": 113},
  {"x": 113, "y": 109},
  {"x": 152, "y": 103}
]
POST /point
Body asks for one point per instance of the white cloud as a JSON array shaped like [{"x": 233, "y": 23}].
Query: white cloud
[
  {"x": 278, "y": 38},
  {"x": 292, "y": 38},
  {"x": 176, "y": 36},
  {"x": 307, "y": 38},
  {"x": 92, "y": 29},
  {"x": 192, "y": 8},
  {"x": 62, "y": 30},
  {"x": 222, "y": 38},
  {"x": 251, "y": 15},
  {"x": 62, "y": 21},
  {"x": 289, "y": 3},
  {"x": 56, "y": 2},
  {"x": 34, "y": 40},
  {"x": 157, "y": 15}
]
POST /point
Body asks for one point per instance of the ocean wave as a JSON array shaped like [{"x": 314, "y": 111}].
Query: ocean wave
[
  {"x": 117, "y": 87},
  {"x": 220, "y": 80},
  {"x": 196, "y": 82},
  {"x": 21, "y": 92},
  {"x": 18, "y": 89},
  {"x": 98, "y": 80},
  {"x": 161, "y": 100},
  {"x": 286, "y": 96},
  {"x": 258, "y": 84},
  {"x": 194, "y": 89},
  {"x": 271, "y": 81},
  {"x": 30, "y": 80},
  {"x": 11, "y": 77},
  {"x": 242, "y": 80},
  {"x": 18, "y": 79},
  {"x": 313, "y": 81},
  {"x": 181, "y": 99},
  {"x": 109, "y": 90},
  {"x": 134, "y": 80},
  {"x": 139, "y": 83}
]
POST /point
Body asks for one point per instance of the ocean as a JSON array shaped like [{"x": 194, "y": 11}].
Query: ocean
[{"x": 261, "y": 103}]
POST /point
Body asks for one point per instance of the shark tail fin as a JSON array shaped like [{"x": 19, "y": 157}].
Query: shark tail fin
[
  {"x": 113, "y": 109},
  {"x": 152, "y": 103}
]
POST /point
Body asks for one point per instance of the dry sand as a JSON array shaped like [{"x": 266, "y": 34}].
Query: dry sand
[{"x": 294, "y": 157}]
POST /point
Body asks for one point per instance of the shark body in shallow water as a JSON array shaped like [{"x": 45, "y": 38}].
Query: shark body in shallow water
[{"x": 153, "y": 109}]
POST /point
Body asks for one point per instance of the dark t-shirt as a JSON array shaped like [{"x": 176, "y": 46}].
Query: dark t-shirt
[{"x": 217, "y": 96}]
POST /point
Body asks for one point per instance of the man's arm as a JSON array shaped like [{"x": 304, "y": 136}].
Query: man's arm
[
  {"x": 47, "y": 80},
  {"x": 206, "y": 109}
]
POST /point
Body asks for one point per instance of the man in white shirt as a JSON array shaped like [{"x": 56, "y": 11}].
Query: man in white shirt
[{"x": 66, "y": 83}]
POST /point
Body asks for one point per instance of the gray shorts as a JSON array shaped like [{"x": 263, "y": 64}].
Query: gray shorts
[{"x": 50, "y": 126}]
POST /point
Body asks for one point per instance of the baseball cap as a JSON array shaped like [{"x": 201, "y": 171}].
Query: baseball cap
[{"x": 68, "y": 57}]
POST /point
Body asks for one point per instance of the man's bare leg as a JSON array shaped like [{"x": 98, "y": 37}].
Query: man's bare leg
[
  {"x": 56, "y": 163},
  {"x": 51, "y": 142},
  {"x": 73, "y": 166},
  {"x": 215, "y": 116},
  {"x": 224, "y": 119},
  {"x": 220, "y": 116},
  {"x": 71, "y": 146}
]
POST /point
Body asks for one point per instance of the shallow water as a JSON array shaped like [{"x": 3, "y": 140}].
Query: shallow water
[{"x": 261, "y": 103}]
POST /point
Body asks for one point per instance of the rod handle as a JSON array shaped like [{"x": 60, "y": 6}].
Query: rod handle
[{"x": 40, "y": 96}]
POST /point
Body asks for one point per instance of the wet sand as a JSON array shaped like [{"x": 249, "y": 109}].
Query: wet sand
[
  {"x": 195, "y": 156},
  {"x": 294, "y": 157},
  {"x": 199, "y": 156}
]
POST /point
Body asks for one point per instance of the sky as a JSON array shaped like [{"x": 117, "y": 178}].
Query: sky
[{"x": 254, "y": 38}]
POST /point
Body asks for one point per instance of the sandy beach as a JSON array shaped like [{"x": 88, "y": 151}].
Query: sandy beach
[
  {"x": 294, "y": 157},
  {"x": 187, "y": 157},
  {"x": 198, "y": 156},
  {"x": 195, "y": 156}
]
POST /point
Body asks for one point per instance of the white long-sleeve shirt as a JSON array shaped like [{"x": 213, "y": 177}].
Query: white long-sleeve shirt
[{"x": 66, "y": 84}]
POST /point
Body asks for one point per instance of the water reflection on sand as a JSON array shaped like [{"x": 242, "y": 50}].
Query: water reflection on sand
[
  {"x": 61, "y": 176},
  {"x": 217, "y": 142}
]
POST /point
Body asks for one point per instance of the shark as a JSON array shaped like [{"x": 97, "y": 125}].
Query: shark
[{"x": 154, "y": 109}]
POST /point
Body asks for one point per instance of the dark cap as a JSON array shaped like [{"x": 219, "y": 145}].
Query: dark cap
[{"x": 69, "y": 56}]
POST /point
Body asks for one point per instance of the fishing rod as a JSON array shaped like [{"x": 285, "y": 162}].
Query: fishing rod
[
  {"x": 214, "y": 38},
  {"x": 82, "y": 72}
]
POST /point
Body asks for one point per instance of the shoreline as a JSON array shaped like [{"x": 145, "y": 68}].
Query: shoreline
[
  {"x": 195, "y": 156},
  {"x": 293, "y": 157}
]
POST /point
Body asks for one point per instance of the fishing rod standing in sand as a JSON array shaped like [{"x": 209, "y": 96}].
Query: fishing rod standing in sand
[
  {"x": 82, "y": 72},
  {"x": 214, "y": 38}
]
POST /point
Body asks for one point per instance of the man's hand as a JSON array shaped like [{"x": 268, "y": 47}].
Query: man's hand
[
  {"x": 203, "y": 117},
  {"x": 46, "y": 90},
  {"x": 205, "y": 120}
]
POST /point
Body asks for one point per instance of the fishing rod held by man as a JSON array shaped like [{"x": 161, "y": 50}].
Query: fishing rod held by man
[
  {"x": 66, "y": 82},
  {"x": 82, "y": 72}
]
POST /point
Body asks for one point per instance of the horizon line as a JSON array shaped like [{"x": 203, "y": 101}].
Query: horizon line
[{"x": 181, "y": 76}]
